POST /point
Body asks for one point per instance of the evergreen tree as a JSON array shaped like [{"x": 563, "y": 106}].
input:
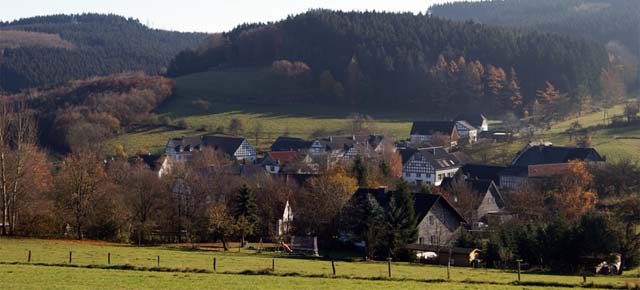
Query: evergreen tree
[
  {"x": 360, "y": 171},
  {"x": 246, "y": 211},
  {"x": 401, "y": 222}
]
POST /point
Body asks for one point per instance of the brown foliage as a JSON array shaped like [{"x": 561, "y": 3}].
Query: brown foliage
[
  {"x": 464, "y": 198},
  {"x": 322, "y": 201},
  {"x": 575, "y": 196}
]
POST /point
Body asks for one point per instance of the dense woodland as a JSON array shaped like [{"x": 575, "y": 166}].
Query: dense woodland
[
  {"x": 94, "y": 45},
  {"x": 83, "y": 113},
  {"x": 613, "y": 23},
  {"x": 385, "y": 58}
]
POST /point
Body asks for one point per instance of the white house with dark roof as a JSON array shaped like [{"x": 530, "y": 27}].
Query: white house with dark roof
[
  {"x": 428, "y": 165},
  {"x": 466, "y": 130},
  {"x": 237, "y": 148},
  {"x": 478, "y": 121},
  {"x": 423, "y": 131}
]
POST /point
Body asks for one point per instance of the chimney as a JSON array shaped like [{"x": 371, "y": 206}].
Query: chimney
[
  {"x": 330, "y": 138},
  {"x": 353, "y": 137}
]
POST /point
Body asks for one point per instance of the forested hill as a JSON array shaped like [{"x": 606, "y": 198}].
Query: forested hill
[
  {"x": 386, "y": 58},
  {"x": 614, "y": 23},
  {"x": 48, "y": 50}
]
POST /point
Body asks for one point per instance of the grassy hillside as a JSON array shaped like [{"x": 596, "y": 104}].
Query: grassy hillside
[
  {"x": 313, "y": 274},
  {"x": 614, "y": 143},
  {"x": 223, "y": 91}
]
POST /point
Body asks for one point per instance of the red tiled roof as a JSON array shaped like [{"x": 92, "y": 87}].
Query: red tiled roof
[
  {"x": 283, "y": 157},
  {"x": 548, "y": 169}
]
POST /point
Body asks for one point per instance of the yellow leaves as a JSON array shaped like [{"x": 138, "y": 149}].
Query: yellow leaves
[{"x": 574, "y": 197}]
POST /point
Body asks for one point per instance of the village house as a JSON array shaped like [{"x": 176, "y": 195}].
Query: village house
[
  {"x": 482, "y": 171},
  {"x": 423, "y": 132},
  {"x": 237, "y": 148},
  {"x": 428, "y": 165},
  {"x": 488, "y": 196},
  {"x": 295, "y": 162},
  {"x": 439, "y": 222},
  {"x": 539, "y": 161},
  {"x": 347, "y": 147},
  {"x": 467, "y": 131},
  {"x": 285, "y": 143},
  {"x": 478, "y": 121}
]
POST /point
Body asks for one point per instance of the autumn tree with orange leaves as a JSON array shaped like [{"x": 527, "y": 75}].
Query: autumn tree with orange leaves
[
  {"x": 575, "y": 196},
  {"x": 322, "y": 201}
]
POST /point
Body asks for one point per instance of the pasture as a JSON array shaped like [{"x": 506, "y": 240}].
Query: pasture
[{"x": 50, "y": 258}]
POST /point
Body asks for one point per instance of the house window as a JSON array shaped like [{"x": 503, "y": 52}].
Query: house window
[
  {"x": 421, "y": 241},
  {"x": 431, "y": 220},
  {"x": 433, "y": 239}
]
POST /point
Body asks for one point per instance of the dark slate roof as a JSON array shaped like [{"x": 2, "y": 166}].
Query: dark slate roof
[
  {"x": 152, "y": 161},
  {"x": 228, "y": 145},
  {"x": 475, "y": 120},
  {"x": 284, "y": 143},
  {"x": 345, "y": 142},
  {"x": 424, "y": 202},
  {"x": 187, "y": 144},
  {"x": 479, "y": 186},
  {"x": 430, "y": 127},
  {"x": 406, "y": 154},
  {"x": 515, "y": 171},
  {"x": 439, "y": 157},
  {"x": 483, "y": 171},
  {"x": 541, "y": 154}
]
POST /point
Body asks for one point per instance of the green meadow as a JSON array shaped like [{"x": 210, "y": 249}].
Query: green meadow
[{"x": 241, "y": 270}]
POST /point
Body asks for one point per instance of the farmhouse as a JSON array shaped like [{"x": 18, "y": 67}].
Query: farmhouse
[
  {"x": 237, "y": 148},
  {"x": 295, "y": 162},
  {"x": 424, "y": 132},
  {"x": 476, "y": 120},
  {"x": 284, "y": 143},
  {"x": 488, "y": 200},
  {"x": 467, "y": 131},
  {"x": 539, "y": 161},
  {"x": 439, "y": 223},
  {"x": 428, "y": 165},
  {"x": 345, "y": 148}
]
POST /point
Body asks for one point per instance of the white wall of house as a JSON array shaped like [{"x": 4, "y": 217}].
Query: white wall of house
[
  {"x": 245, "y": 152},
  {"x": 284, "y": 224},
  {"x": 441, "y": 174}
]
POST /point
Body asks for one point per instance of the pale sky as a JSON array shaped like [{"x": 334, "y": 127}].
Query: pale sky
[{"x": 201, "y": 15}]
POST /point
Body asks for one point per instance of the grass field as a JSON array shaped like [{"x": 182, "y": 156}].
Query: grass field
[
  {"x": 226, "y": 92},
  {"x": 353, "y": 275}
]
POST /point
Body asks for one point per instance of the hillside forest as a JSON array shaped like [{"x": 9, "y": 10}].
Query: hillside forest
[
  {"x": 50, "y": 50},
  {"x": 382, "y": 59}
]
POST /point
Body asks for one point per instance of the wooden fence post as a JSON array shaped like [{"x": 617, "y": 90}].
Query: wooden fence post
[
  {"x": 333, "y": 266},
  {"x": 214, "y": 264},
  {"x": 273, "y": 265},
  {"x": 389, "y": 266},
  {"x": 449, "y": 265},
  {"x": 29, "y": 259},
  {"x": 519, "y": 261},
  {"x": 108, "y": 258},
  {"x": 70, "y": 257},
  {"x": 158, "y": 261}
]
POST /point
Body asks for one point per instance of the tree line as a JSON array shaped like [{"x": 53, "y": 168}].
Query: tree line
[
  {"x": 611, "y": 23},
  {"x": 102, "y": 45}
]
